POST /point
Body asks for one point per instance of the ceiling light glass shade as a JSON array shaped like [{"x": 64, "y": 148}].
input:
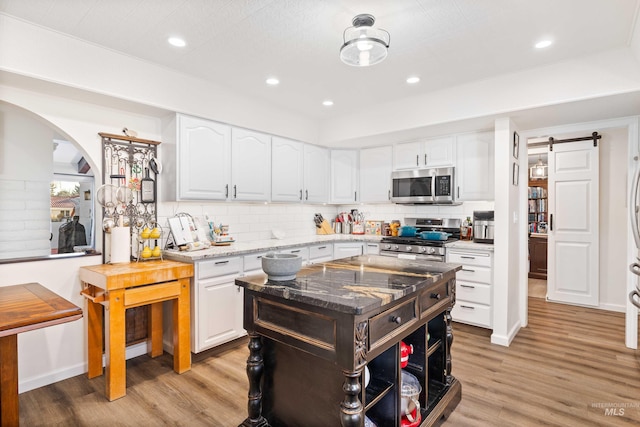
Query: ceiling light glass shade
[
  {"x": 538, "y": 171},
  {"x": 364, "y": 45}
]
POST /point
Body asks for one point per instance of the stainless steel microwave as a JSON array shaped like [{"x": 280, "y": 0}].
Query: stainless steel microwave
[{"x": 423, "y": 186}]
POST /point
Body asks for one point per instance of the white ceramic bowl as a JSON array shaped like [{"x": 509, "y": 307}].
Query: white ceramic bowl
[{"x": 281, "y": 266}]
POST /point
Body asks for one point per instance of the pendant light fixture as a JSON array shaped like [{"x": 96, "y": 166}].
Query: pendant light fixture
[
  {"x": 363, "y": 44},
  {"x": 539, "y": 170}
]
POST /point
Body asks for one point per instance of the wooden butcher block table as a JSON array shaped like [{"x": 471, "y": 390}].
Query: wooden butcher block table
[
  {"x": 120, "y": 286},
  {"x": 24, "y": 308}
]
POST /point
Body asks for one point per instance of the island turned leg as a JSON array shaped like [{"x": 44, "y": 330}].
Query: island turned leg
[
  {"x": 351, "y": 410},
  {"x": 449, "y": 337},
  {"x": 255, "y": 368}
]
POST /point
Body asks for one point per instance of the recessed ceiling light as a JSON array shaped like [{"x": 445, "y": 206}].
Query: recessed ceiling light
[
  {"x": 177, "y": 42},
  {"x": 272, "y": 81},
  {"x": 327, "y": 103},
  {"x": 543, "y": 43},
  {"x": 413, "y": 80}
]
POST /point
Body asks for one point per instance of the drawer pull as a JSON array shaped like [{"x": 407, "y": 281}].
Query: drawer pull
[
  {"x": 467, "y": 306},
  {"x": 222, "y": 262},
  {"x": 322, "y": 247},
  {"x": 259, "y": 256},
  {"x": 467, "y": 286},
  {"x": 396, "y": 319},
  {"x": 467, "y": 257},
  {"x": 435, "y": 296},
  {"x": 296, "y": 251},
  {"x": 469, "y": 270}
]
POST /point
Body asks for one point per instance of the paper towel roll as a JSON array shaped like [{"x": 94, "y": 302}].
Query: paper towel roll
[{"x": 120, "y": 245}]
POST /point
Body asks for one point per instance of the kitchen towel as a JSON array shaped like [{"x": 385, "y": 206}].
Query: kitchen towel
[{"x": 120, "y": 245}]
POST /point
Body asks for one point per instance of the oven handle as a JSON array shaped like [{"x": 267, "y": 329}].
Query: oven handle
[{"x": 417, "y": 257}]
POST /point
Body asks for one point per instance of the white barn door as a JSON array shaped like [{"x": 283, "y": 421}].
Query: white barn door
[{"x": 573, "y": 264}]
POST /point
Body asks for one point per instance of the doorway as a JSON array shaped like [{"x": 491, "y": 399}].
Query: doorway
[
  {"x": 618, "y": 146},
  {"x": 538, "y": 216}
]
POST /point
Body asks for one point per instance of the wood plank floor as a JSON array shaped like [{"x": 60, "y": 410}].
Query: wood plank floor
[{"x": 567, "y": 368}]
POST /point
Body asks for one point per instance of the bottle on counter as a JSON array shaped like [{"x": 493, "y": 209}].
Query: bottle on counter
[{"x": 466, "y": 229}]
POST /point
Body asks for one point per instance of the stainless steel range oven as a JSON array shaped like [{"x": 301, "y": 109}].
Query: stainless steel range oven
[{"x": 417, "y": 247}]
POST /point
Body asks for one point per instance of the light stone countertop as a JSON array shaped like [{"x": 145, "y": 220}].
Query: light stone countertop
[{"x": 243, "y": 248}]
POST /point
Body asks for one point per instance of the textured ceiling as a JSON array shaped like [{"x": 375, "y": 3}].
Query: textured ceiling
[{"x": 239, "y": 43}]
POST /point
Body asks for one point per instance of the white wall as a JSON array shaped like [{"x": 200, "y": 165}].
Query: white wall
[
  {"x": 26, "y": 169},
  {"x": 609, "y": 72},
  {"x": 613, "y": 219},
  {"x": 506, "y": 320}
]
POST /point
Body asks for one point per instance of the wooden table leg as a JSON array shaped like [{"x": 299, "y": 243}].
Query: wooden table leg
[
  {"x": 9, "y": 410},
  {"x": 182, "y": 329},
  {"x": 94, "y": 338},
  {"x": 115, "y": 366},
  {"x": 154, "y": 344}
]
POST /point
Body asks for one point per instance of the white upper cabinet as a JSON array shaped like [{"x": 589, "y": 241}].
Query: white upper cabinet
[
  {"x": 475, "y": 166},
  {"x": 287, "y": 162},
  {"x": 344, "y": 176},
  {"x": 250, "y": 165},
  {"x": 202, "y": 164},
  {"x": 432, "y": 152},
  {"x": 316, "y": 174},
  {"x": 375, "y": 174}
]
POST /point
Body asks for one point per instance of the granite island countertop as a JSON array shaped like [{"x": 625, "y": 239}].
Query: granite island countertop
[{"x": 354, "y": 285}]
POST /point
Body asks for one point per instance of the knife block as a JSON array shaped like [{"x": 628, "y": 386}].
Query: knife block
[{"x": 324, "y": 228}]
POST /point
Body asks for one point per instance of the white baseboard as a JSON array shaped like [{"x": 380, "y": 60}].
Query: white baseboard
[
  {"x": 506, "y": 340},
  {"x": 33, "y": 383}
]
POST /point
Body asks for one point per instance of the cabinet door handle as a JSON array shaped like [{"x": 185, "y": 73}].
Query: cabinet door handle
[
  {"x": 300, "y": 194},
  {"x": 306, "y": 194},
  {"x": 226, "y": 190},
  {"x": 238, "y": 289},
  {"x": 355, "y": 196},
  {"x": 469, "y": 270},
  {"x": 435, "y": 296},
  {"x": 467, "y": 286},
  {"x": 389, "y": 195},
  {"x": 467, "y": 306},
  {"x": 458, "y": 192},
  {"x": 417, "y": 160},
  {"x": 551, "y": 222},
  {"x": 425, "y": 159},
  {"x": 235, "y": 192},
  {"x": 396, "y": 319},
  {"x": 222, "y": 262}
]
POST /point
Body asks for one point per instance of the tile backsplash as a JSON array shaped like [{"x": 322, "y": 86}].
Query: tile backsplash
[{"x": 258, "y": 221}]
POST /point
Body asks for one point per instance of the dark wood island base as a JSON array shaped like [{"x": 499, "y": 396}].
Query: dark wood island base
[{"x": 313, "y": 338}]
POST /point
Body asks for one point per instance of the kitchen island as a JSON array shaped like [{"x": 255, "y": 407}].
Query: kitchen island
[{"x": 311, "y": 340}]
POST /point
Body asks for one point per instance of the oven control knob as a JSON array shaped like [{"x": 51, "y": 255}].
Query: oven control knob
[
  {"x": 396, "y": 247},
  {"x": 423, "y": 249},
  {"x": 432, "y": 250},
  {"x": 387, "y": 246},
  {"x": 407, "y": 248}
]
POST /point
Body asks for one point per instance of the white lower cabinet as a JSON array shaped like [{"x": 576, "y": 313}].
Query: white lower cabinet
[
  {"x": 303, "y": 251},
  {"x": 474, "y": 296},
  {"x": 344, "y": 250},
  {"x": 320, "y": 253},
  {"x": 216, "y": 303},
  {"x": 372, "y": 248}
]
